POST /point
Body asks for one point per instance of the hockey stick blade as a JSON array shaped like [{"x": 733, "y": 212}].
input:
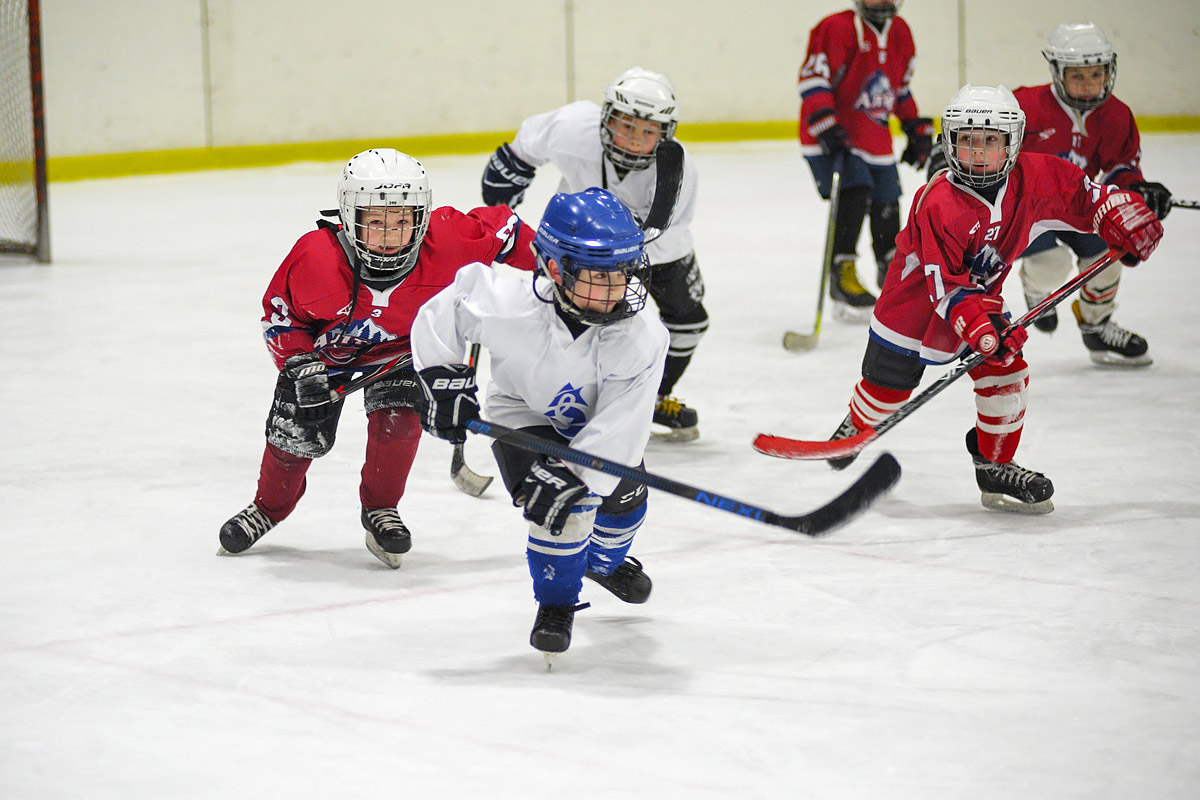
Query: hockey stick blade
[
  {"x": 798, "y": 449},
  {"x": 465, "y": 478},
  {"x": 800, "y": 342},
  {"x": 1193, "y": 204},
  {"x": 877, "y": 481}
]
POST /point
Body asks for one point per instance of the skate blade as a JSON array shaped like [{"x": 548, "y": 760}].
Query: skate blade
[
  {"x": 675, "y": 435},
  {"x": 549, "y": 658},
  {"x": 1107, "y": 359},
  {"x": 221, "y": 551},
  {"x": 853, "y": 314},
  {"x": 1002, "y": 502},
  {"x": 391, "y": 560}
]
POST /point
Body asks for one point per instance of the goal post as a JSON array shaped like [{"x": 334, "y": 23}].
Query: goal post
[{"x": 24, "y": 217}]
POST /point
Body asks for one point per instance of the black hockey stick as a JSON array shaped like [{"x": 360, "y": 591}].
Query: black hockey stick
[
  {"x": 668, "y": 160},
  {"x": 782, "y": 447},
  {"x": 795, "y": 341},
  {"x": 1193, "y": 204},
  {"x": 877, "y": 481},
  {"x": 399, "y": 362},
  {"x": 465, "y": 478}
]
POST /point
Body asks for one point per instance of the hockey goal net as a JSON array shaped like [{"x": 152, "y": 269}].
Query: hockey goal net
[{"x": 24, "y": 223}]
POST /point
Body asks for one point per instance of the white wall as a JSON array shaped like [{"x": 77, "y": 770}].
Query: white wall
[{"x": 137, "y": 75}]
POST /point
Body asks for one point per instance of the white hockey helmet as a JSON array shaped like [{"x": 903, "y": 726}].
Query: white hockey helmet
[
  {"x": 642, "y": 94},
  {"x": 877, "y": 15},
  {"x": 1080, "y": 45},
  {"x": 988, "y": 108},
  {"x": 387, "y": 178}
]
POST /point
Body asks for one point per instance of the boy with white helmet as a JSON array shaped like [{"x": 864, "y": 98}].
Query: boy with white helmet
[
  {"x": 614, "y": 146},
  {"x": 342, "y": 303},
  {"x": 572, "y": 360},
  {"x": 942, "y": 300}
]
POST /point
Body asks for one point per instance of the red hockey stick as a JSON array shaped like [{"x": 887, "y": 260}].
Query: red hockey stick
[{"x": 782, "y": 447}]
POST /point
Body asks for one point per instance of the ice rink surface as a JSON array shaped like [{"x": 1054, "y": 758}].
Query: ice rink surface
[{"x": 930, "y": 649}]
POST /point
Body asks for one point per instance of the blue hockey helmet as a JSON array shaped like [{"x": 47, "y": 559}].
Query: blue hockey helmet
[{"x": 593, "y": 232}]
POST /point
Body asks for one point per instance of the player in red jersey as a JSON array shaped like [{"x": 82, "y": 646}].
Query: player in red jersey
[
  {"x": 343, "y": 302},
  {"x": 941, "y": 299},
  {"x": 854, "y": 78}
]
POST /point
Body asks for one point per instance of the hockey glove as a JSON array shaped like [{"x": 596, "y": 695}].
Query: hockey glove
[
  {"x": 506, "y": 178},
  {"x": 920, "y": 141},
  {"x": 979, "y": 321},
  {"x": 550, "y": 490},
  {"x": 1126, "y": 223},
  {"x": 829, "y": 133},
  {"x": 310, "y": 382},
  {"x": 1156, "y": 196},
  {"x": 447, "y": 401},
  {"x": 937, "y": 162}
]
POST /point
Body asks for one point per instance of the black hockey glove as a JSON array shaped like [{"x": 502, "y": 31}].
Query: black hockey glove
[
  {"x": 829, "y": 133},
  {"x": 920, "y": 141},
  {"x": 506, "y": 178},
  {"x": 310, "y": 381},
  {"x": 936, "y": 163},
  {"x": 447, "y": 401},
  {"x": 551, "y": 489},
  {"x": 1155, "y": 195}
]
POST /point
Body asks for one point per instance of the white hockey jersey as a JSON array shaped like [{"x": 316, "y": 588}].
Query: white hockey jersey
[
  {"x": 569, "y": 137},
  {"x": 598, "y": 390}
]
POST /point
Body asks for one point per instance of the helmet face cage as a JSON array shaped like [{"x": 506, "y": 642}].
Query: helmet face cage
[
  {"x": 1080, "y": 45},
  {"x": 983, "y": 109},
  {"x": 376, "y": 190},
  {"x": 597, "y": 245},
  {"x": 638, "y": 96},
  {"x": 877, "y": 15}
]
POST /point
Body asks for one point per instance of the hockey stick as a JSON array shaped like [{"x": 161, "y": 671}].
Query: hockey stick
[
  {"x": 464, "y": 477},
  {"x": 668, "y": 160},
  {"x": 399, "y": 362},
  {"x": 877, "y": 481},
  {"x": 794, "y": 341},
  {"x": 1194, "y": 204},
  {"x": 782, "y": 447}
]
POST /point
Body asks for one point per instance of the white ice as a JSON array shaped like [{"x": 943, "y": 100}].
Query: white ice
[{"x": 930, "y": 649}]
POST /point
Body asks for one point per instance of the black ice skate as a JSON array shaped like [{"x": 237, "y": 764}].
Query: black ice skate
[
  {"x": 852, "y": 301},
  {"x": 551, "y": 632},
  {"x": 844, "y": 431},
  {"x": 387, "y": 537},
  {"x": 1008, "y": 487},
  {"x": 244, "y": 529},
  {"x": 1046, "y": 323},
  {"x": 1110, "y": 345},
  {"x": 628, "y": 582},
  {"x": 679, "y": 420}
]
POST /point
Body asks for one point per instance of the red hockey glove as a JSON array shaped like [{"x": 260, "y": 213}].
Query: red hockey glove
[
  {"x": 979, "y": 321},
  {"x": 1126, "y": 223}
]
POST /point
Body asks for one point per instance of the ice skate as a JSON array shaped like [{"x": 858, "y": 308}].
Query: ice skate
[
  {"x": 1046, "y": 323},
  {"x": 852, "y": 302},
  {"x": 679, "y": 420},
  {"x": 551, "y": 632},
  {"x": 244, "y": 529},
  {"x": 1110, "y": 345},
  {"x": 844, "y": 431},
  {"x": 628, "y": 582},
  {"x": 1009, "y": 487},
  {"x": 387, "y": 537}
]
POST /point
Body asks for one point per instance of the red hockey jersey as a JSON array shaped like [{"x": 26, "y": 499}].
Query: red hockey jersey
[
  {"x": 956, "y": 242},
  {"x": 863, "y": 75},
  {"x": 307, "y": 303}
]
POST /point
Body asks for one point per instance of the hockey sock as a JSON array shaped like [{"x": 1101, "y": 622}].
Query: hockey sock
[
  {"x": 885, "y": 226},
  {"x": 1000, "y": 396},
  {"x": 672, "y": 372},
  {"x": 557, "y": 563},
  {"x": 847, "y": 226},
  {"x": 872, "y": 403},
  {"x": 611, "y": 538},
  {"x": 1097, "y": 298},
  {"x": 392, "y": 438},
  {"x": 281, "y": 482}
]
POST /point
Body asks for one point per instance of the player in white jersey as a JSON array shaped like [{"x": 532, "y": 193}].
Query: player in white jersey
[
  {"x": 614, "y": 147},
  {"x": 571, "y": 359}
]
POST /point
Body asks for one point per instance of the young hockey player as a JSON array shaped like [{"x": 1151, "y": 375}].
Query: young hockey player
[
  {"x": 572, "y": 360},
  {"x": 942, "y": 300},
  {"x": 1076, "y": 117},
  {"x": 854, "y": 77},
  {"x": 343, "y": 302},
  {"x": 614, "y": 147}
]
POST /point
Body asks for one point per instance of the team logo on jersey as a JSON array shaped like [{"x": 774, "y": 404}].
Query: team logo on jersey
[
  {"x": 568, "y": 411},
  {"x": 986, "y": 265},
  {"x": 876, "y": 98},
  {"x": 340, "y": 345},
  {"x": 1046, "y": 134}
]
